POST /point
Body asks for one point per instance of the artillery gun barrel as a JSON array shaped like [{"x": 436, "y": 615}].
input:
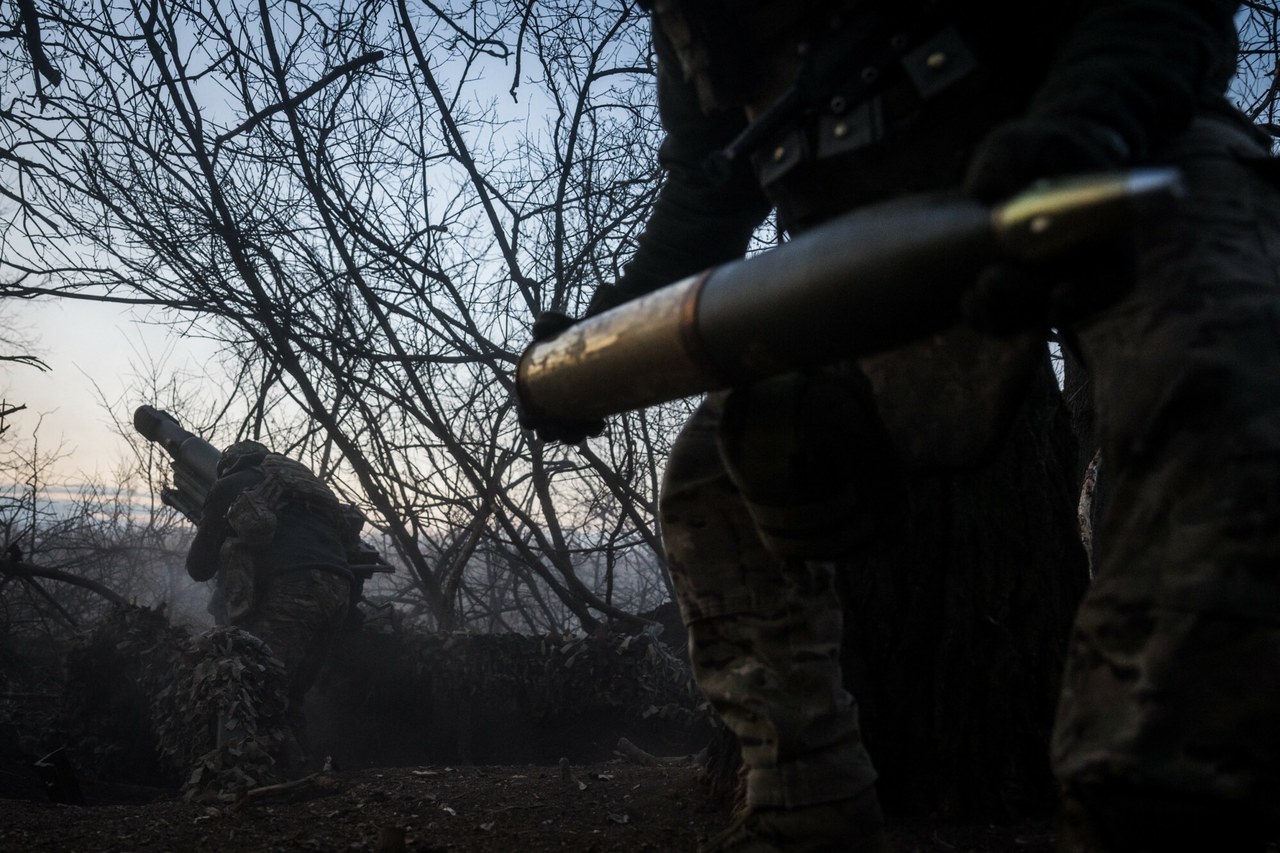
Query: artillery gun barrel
[
  {"x": 195, "y": 460},
  {"x": 863, "y": 283},
  {"x": 195, "y": 469}
]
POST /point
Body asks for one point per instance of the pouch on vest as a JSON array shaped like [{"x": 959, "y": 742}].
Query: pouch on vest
[
  {"x": 253, "y": 519},
  {"x": 286, "y": 480}
]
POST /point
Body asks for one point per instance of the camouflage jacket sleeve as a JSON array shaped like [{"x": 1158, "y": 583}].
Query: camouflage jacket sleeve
[
  {"x": 1141, "y": 69},
  {"x": 213, "y": 529},
  {"x": 696, "y": 222}
]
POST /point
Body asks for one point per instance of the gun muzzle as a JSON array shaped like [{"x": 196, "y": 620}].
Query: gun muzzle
[
  {"x": 193, "y": 457},
  {"x": 155, "y": 425},
  {"x": 866, "y": 282}
]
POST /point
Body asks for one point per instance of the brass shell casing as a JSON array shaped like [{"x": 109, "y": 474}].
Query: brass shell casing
[
  {"x": 865, "y": 282},
  {"x": 650, "y": 344}
]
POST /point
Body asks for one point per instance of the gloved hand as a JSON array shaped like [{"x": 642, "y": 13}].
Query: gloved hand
[
  {"x": 1016, "y": 154},
  {"x": 548, "y": 325},
  {"x": 1013, "y": 296}
]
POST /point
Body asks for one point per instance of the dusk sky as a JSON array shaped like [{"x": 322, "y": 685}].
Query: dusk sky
[{"x": 85, "y": 344}]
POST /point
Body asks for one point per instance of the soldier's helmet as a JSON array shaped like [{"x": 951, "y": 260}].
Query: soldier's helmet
[{"x": 239, "y": 452}]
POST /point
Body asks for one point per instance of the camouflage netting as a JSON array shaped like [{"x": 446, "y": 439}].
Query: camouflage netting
[
  {"x": 503, "y": 698},
  {"x": 563, "y": 679},
  {"x": 233, "y": 681},
  {"x": 144, "y": 700},
  {"x": 30, "y": 696}
]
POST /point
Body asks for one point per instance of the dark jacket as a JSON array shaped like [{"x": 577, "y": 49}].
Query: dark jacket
[
  {"x": 1134, "y": 72},
  {"x": 303, "y": 539}
]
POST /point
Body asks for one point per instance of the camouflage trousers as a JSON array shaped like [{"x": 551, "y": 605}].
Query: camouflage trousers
[
  {"x": 1170, "y": 712},
  {"x": 764, "y": 633},
  {"x": 1171, "y": 700},
  {"x": 299, "y": 615}
]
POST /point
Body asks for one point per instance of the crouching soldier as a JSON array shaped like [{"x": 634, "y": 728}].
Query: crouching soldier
[{"x": 275, "y": 538}]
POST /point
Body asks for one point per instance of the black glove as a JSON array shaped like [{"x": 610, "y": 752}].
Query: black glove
[
  {"x": 1013, "y": 296},
  {"x": 548, "y": 325},
  {"x": 1010, "y": 297},
  {"x": 1017, "y": 154}
]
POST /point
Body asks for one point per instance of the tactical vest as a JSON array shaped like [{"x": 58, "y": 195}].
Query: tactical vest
[
  {"x": 744, "y": 53},
  {"x": 736, "y": 53},
  {"x": 849, "y": 102},
  {"x": 253, "y": 514},
  {"x": 820, "y": 79}
]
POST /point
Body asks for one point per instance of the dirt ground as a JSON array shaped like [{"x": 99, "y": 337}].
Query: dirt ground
[{"x": 614, "y": 806}]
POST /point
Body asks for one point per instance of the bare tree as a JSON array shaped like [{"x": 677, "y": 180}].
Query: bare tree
[
  {"x": 366, "y": 206},
  {"x": 1257, "y": 86}
]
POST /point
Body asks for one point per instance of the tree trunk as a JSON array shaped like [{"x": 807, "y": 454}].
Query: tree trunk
[{"x": 956, "y": 627}]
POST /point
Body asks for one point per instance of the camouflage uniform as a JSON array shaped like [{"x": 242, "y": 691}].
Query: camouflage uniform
[
  {"x": 1168, "y": 716},
  {"x": 292, "y": 556},
  {"x": 1172, "y": 692},
  {"x": 763, "y": 633}
]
